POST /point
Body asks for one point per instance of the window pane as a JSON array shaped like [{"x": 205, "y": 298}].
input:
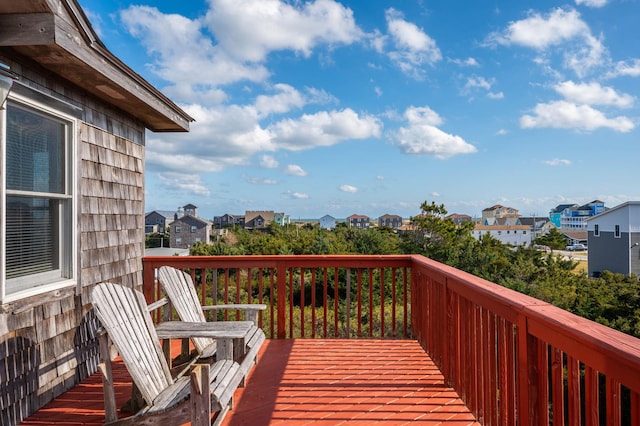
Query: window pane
[
  {"x": 35, "y": 152},
  {"x": 32, "y": 236}
]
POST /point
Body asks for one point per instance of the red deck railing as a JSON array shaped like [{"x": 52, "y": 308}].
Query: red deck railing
[{"x": 512, "y": 359}]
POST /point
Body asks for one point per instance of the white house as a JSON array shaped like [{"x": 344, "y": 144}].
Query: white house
[{"x": 515, "y": 235}]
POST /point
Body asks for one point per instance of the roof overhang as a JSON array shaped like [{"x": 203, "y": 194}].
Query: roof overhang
[{"x": 62, "y": 41}]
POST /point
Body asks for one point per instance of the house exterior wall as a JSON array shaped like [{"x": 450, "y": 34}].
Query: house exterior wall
[
  {"x": 327, "y": 222},
  {"x": 156, "y": 222},
  {"x": 188, "y": 230},
  {"x": 392, "y": 221},
  {"x": 514, "y": 235},
  {"x": 53, "y": 334},
  {"x": 608, "y": 252}
]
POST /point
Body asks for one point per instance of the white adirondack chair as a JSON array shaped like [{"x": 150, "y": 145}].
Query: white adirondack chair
[
  {"x": 182, "y": 294},
  {"x": 195, "y": 397}
]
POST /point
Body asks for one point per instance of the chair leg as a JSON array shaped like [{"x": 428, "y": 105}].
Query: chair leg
[{"x": 200, "y": 398}]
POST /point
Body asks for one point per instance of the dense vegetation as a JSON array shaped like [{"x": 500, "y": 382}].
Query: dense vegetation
[{"x": 612, "y": 299}]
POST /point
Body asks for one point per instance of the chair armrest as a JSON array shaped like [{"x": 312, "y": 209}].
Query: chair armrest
[{"x": 238, "y": 307}]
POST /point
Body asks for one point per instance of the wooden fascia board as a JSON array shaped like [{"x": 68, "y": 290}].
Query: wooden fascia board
[{"x": 48, "y": 29}]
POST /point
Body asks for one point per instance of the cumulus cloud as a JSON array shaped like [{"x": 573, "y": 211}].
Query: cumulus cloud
[
  {"x": 561, "y": 29},
  {"x": 412, "y": 47},
  {"x": 268, "y": 162},
  {"x": 558, "y": 162},
  {"x": 625, "y": 69},
  {"x": 568, "y": 115},
  {"x": 324, "y": 128},
  {"x": 184, "y": 183},
  {"x": 250, "y": 29},
  {"x": 421, "y": 136},
  {"x": 295, "y": 170},
  {"x": 348, "y": 188},
  {"x": 183, "y": 53},
  {"x": 593, "y": 94}
]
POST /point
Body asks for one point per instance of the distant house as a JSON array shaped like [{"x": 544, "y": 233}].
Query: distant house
[
  {"x": 228, "y": 220},
  {"x": 281, "y": 219},
  {"x": 614, "y": 240},
  {"x": 515, "y": 235},
  {"x": 575, "y": 236},
  {"x": 459, "y": 219},
  {"x": 555, "y": 215},
  {"x": 539, "y": 225},
  {"x": 573, "y": 216},
  {"x": 490, "y": 214},
  {"x": 358, "y": 221},
  {"x": 391, "y": 220},
  {"x": 327, "y": 222},
  {"x": 188, "y": 230},
  {"x": 158, "y": 221},
  {"x": 73, "y": 133},
  {"x": 258, "y": 219}
]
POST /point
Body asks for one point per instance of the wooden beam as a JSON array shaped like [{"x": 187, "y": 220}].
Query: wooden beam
[{"x": 27, "y": 29}]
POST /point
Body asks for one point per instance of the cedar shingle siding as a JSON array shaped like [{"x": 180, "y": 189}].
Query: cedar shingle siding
[{"x": 47, "y": 341}]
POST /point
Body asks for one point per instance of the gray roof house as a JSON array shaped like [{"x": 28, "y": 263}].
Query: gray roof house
[
  {"x": 74, "y": 121},
  {"x": 614, "y": 240}
]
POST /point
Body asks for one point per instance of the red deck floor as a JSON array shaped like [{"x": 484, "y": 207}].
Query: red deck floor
[{"x": 310, "y": 382}]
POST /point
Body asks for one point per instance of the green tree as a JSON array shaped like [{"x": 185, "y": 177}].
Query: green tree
[{"x": 552, "y": 239}]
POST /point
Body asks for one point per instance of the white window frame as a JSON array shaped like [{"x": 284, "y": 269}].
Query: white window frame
[
  {"x": 616, "y": 232},
  {"x": 596, "y": 230},
  {"x": 69, "y": 242}
]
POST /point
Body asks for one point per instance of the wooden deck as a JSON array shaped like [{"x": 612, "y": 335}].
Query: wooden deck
[{"x": 305, "y": 382}]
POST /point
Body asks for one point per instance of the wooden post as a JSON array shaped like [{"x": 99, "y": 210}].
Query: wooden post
[
  {"x": 200, "y": 400},
  {"x": 110, "y": 409},
  {"x": 282, "y": 299}
]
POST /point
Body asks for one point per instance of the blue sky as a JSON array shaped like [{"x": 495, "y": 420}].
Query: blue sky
[{"x": 371, "y": 107}]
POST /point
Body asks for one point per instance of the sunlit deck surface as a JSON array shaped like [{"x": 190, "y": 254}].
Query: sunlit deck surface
[{"x": 308, "y": 382}]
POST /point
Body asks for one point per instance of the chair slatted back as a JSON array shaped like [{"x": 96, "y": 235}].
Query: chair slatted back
[
  {"x": 123, "y": 313},
  {"x": 181, "y": 291}
]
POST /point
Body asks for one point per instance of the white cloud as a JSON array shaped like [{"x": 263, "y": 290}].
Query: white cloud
[
  {"x": 562, "y": 29},
  {"x": 184, "y": 183},
  {"x": 348, "y": 188},
  {"x": 625, "y": 69},
  {"x": 469, "y": 62},
  {"x": 260, "y": 181},
  {"x": 494, "y": 95},
  {"x": 592, "y": 3},
  {"x": 323, "y": 129},
  {"x": 250, "y": 29},
  {"x": 296, "y": 195},
  {"x": 593, "y": 94},
  {"x": 478, "y": 82},
  {"x": 283, "y": 101},
  {"x": 268, "y": 162},
  {"x": 183, "y": 53},
  {"x": 502, "y": 132},
  {"x": 435, "y": 194},
  {"x": 558, "y": 162},
  {"x": 567, "y": 115},
  {"x": 413, "y": 47},
  {"x": 421, "y": 136},
  {"x": 295, "y": 170}
]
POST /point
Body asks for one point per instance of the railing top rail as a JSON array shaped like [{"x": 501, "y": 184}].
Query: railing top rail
[{"x": 271, "y": 261}]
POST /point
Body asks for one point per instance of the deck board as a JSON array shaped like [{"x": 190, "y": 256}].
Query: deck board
[{"x": 305, "y": 382}]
